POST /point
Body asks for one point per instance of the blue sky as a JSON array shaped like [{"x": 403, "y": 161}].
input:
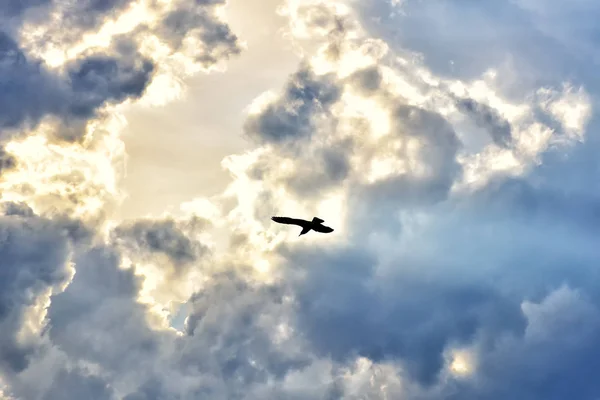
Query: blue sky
[{"x": 451, "y": 144}]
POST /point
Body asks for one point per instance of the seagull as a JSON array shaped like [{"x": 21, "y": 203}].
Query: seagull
[{"x": 316, "y": 224}]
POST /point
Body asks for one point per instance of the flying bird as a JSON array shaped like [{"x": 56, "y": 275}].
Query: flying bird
[{"x": 316, "y": 224}]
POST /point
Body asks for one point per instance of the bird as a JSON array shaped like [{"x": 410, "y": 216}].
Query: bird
[{"x": 316, "y": 224}]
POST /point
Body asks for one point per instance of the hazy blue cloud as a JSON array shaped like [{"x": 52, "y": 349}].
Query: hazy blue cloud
[
  {"x": 28, "y": 92},
  {"x": 532, "y": 45},
  {"x": 76, "y": 383},
  {"x": 15, "y": 8},
  {"x": 35, "y": 258}
]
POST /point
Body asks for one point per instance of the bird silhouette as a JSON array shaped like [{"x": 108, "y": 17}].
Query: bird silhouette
[{"x": 316, "y": 224}]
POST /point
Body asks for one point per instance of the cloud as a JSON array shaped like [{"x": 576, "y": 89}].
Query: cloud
[
  {"x": 347, "y": 311},
  {"x": 28, "y": 92},
  {"x": 237, "y": 321},
  {"x": 170, "y": 251},
  {"x": 558, "y": 343},
  {"x": 36, "y": 254},
  {"x": 12, "y": 9},
  {"x": 293, "y": 115},
  {"x": 488, "y": 118},
  {"x": 95, "y": 76},
  {"x": 162, "y": 237},
  {"x": 43, "y": 180},
  {"x": 31, "y": 92},
  {"x": 462, "y": 265},
  {"x": 329, "y": 168},
  {"x": 368, "y": 79},
  {"x": 456, "y": 251},
  {"x": 100, "y": 295},
  {"x": 227, "y": 342},
  {"x": 77, "y": 383},
  {"x": 7, "y": 161},
  {"x": 97, "y": 79},
  {"x": 195, "y": 21}
]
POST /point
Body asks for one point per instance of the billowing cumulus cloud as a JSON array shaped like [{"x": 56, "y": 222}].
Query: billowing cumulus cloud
[
  {"x": 36, "y": 262},
  {"x": 189, "y": 22},
  {"x": 24, "y": 86},
  {"x": 459, "y": 182},
  {"x": 163, "y": 237},
  {"x": 31, "y": 92},
  {"x": 295, "y": 113}
]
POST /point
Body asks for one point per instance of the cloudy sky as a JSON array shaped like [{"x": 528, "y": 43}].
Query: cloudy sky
[{"x": 451, "y": 144}]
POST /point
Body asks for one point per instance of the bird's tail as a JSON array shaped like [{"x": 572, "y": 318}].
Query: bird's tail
[{"x": 304, "y": 230}]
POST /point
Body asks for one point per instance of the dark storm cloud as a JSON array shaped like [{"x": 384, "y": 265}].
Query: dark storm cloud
[
  {"x": 35, "y": 252},
  {"x": 28, "y": 91},
  {"x": 554, "y": 359},
  {"x": 527, "y": 240},
  {"x": 488, "y": 118},
  {"x": 98, "y": 79},
  {"x": 98, "y": 318},
  {"x": 291, "y": 117},
  {"x": 345, "y": 311}
]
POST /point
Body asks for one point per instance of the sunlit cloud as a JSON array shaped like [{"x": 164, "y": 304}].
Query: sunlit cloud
[{"x": 462, "y": 363}]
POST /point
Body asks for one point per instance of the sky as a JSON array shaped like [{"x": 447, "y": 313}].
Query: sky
[{"x": 451, "y": 144}]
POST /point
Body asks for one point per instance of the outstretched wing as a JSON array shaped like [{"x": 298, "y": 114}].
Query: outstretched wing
[{"x": 289, "y": 221}]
